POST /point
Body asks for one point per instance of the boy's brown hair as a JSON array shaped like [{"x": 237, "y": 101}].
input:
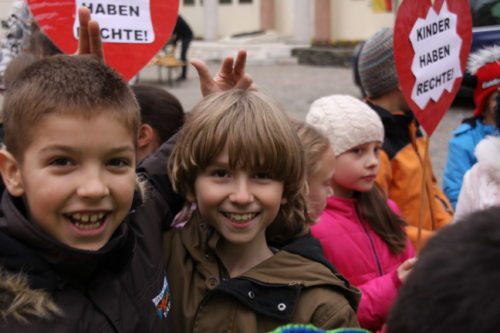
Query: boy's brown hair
[
  {"x": 259, "y": 137},
  {"x": 79, "y": 85}
]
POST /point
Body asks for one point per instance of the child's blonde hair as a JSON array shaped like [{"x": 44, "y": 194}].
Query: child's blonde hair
[
  {"x": 315, "y": 144},
  {"x": 258, "y": 136}
]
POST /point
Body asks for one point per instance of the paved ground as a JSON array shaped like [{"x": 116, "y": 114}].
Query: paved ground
[{"x": 295, "y": 87}]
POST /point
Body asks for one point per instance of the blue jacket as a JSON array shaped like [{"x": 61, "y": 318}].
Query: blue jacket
[{"x": 461, "y": 154}]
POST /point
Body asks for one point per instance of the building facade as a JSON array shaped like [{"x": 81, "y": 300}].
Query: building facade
[{"x": 294, "y": 20}]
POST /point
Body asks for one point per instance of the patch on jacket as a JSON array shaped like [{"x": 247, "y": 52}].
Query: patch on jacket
[{"x": 162, "y": 300}]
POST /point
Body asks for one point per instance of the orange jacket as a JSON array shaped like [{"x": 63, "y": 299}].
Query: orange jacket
[{"x": 401, "y": 173}]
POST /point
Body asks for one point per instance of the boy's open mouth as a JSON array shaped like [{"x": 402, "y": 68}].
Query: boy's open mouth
[
  {"x": 87, "y": 221},
  {"x": 240, "y": 218}
]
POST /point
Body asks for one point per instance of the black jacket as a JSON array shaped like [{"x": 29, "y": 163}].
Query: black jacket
[{"x": 120, "y": 288}]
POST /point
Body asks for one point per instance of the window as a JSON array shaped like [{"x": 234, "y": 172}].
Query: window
[
  {"x": 246, "y": 1},
  {"x": 188, "y": 2}
]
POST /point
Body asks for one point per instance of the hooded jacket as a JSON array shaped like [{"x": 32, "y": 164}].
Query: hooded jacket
[
  {"x": 401, "y": 173},
  {"x": 295, "y": 285},
  {"x": 360, "y": 255},
  {"x": 481, "y": 186},
  {"x": 461, "y": 154},
  {"x": 46, "y": 286}
]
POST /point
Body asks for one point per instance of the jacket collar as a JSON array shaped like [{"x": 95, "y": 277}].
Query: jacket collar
[
  {"x": 38, "y": 252},
  {"x": 392, "y": 122},
  {"x": 273, "y": 287}
]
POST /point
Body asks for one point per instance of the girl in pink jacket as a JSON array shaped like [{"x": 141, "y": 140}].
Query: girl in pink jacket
[{"x": 360, "y": 231}]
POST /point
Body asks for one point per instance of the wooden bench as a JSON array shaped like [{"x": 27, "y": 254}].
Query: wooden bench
[{"x": 170, "y": 62}]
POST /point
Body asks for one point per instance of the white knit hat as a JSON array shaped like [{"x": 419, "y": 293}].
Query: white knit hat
[{"x": 346, "y": 121}]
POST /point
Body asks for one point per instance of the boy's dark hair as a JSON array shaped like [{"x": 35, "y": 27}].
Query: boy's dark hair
[
  {"x": 79, "y": 85},
  {"x": 159, "y": 109},
  {"x": 453, "y": 287},
  {"x": 16, "y": 66},
  {"x": 40, "y": 45},
  {"x": 373, "y": 208}
]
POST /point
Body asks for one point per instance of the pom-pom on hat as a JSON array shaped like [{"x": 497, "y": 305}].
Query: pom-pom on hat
[
  {"x": 485, "y": 65},
  {"x": 377, "y": 70},
  {"x": 346, "y": 121}
]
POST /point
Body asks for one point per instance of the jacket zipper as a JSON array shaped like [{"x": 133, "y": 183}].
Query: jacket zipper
[{"x": 375, "y": 255}]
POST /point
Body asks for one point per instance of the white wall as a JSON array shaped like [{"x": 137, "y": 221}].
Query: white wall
[
  {"x": 284, "y": 17},
  {"x": 194, "y": 17},
  {"x": 232, "y": 18},
  {"x": 355, "y": 20}
]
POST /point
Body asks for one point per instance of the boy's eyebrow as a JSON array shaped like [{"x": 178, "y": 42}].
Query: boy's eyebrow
[{"x": 63, "y": 148}]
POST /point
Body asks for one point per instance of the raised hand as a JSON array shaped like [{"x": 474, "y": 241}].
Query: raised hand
[
  {"x": 231, "y": 75},
  {"x": 89, "y": 39}
]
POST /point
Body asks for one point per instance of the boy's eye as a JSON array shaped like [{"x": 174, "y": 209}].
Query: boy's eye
[
  {"x": 119, "y": 162},
  {"x": 221, "y": 173},
  {"x": 61, "y": 161},
  {"x": 262, "y": 175}
]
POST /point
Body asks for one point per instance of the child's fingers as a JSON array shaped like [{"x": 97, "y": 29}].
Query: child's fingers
[
  {"x": 83, "y": 36},
  {"x": 226, "y": 70},
  {"x": 95, "y": 41},
  {"x": 240, "y": 63},
  {"x": 408, "y": 264},
  {"x": 206, "y": 81},
  {"x": 245, "y": 83},
  {"x": 89, "y": 37}
]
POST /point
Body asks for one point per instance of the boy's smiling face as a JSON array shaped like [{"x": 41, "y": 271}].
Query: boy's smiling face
[
  {"x": 238, "y": 204},
  {"x": 77, "y": 177}
]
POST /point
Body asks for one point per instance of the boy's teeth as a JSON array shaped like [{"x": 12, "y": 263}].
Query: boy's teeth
[
  {"x": 240, "y": 217},
  {"x": 87, "y": 221},
  {"x": 87, "y": 226}
]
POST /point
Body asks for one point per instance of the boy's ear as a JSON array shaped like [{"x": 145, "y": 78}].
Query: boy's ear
[
  {"x": 146, "y": 135},
  {"x": 11, "y": 173},
  {"x": 190, "y": 197}
]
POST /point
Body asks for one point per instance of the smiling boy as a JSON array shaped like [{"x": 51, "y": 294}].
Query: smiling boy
[{"x": 73, "y": 257}]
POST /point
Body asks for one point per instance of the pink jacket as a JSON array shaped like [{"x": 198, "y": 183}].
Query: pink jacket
[{"x": 362, "y": 257}]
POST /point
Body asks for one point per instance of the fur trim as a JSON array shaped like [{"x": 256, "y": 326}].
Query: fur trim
[
  {"x": 487, "y": 152},
  {"x": 19, "y": 302},
  {"x": 482, "y": 57}
]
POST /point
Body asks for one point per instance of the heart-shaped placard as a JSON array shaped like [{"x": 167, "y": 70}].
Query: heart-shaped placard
[
  {"x": 133, "y": 31},
  {"x": 431, "y": 46}
]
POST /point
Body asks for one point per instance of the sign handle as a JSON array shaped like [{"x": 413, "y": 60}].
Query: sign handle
[{"x": 425, "y": 190}]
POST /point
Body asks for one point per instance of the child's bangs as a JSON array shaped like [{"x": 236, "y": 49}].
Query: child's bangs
[{"x": 261, "y": 144}]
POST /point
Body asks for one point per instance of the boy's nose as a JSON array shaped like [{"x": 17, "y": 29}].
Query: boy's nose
[
  {"x": 241, "y": 193},
  {"x": 93, "y": 187}
]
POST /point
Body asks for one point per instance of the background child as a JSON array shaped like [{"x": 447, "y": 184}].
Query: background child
[
  {"x": 403, "y": 149},
  {"x": 360, "y": 234},
  {"x": 162, "y": 116},
  {"x": 485, "y": 66},
  {"x": 454, "y": 285},
  {"x": 481, "y": 185},
  {"x": 240, "y": 161},
  {"x": 320, "y": 165}
]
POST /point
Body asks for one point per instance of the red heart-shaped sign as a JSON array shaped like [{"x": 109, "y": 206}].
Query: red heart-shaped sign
[
  {"x": 133, "y": 31},
  {"x": 431, "y": 46}
]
